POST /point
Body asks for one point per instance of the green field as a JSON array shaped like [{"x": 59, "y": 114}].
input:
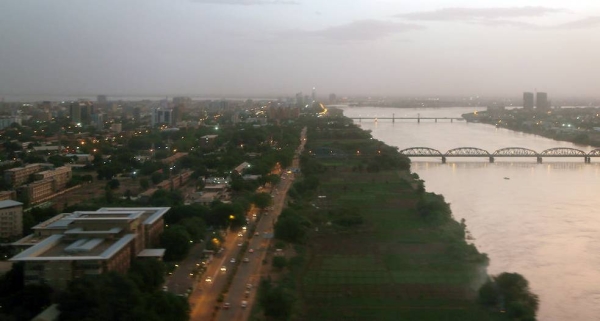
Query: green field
[{"x": 396, "y": 265}]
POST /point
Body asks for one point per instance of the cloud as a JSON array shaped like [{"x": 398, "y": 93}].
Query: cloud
[
  {"x": 248, "y": 2},
  {"x": 361, "y": 30},
  {"x": 476, "y": 14},
  {"x": 584, "y": 23}
]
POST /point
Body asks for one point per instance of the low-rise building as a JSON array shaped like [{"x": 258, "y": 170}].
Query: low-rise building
[
  {"x": 19, "y": 175},
  {"x": 61, "y": 176},
  {"x": 38, "y": 191},
  {"x": 8, "y": 195},
  {"x": 11, "y": 219},
  {"x": 71, "y": 245}
]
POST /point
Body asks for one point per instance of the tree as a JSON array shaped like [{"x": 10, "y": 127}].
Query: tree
[
  {"x": 148, "y": 274},
  {"x": 110, "y": 296},
  {"x": 510, "y": 291},
  {"x": 262, "y": 200},
  {"x": 156, "y": 177},
  {"x": 276, "y": 301},
  {"x": 195, "y": 227},
  {"x": 114, "y": 184},
  {"x": 144, "y": 183},
  {"x": 291, "y": 227},
  {"x": 176, "y": 241},
  {"x": 279, "y": 262}
]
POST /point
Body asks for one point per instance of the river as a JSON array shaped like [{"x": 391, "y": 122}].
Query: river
[{"x": 542, "y": 221}]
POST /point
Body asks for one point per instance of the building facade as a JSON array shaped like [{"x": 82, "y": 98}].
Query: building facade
[
  {"x": 528, "y": 101},
  {"x": 541, "y": 101},
  {"x": 11, "y": 219},
  {"x": 72, "y": 245},
  {"x": 19, "y": 175}
]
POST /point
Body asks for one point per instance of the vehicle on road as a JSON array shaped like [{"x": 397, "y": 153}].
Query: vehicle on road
[
  {"x": 232, "y": 260},
  {"x": 226, "y": 305},
  {"x": 251, "y": 251},
  {"x": 240, "y": 244},
  {"x": 208, "y": 279},
  {"x": 246, "y": 260},
  {"x": 247, "y": 294},
  {"x": 244, "y": 304},
  {"x": 223, "y": 268},
  {"x": 165, "y": 288},
  {"x": 249, "y": 286},
  {"x": 256, "y": 234}
]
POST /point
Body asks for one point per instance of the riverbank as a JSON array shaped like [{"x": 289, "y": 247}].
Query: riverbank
[
  {"x": 574, "y": 125},
  {"x": 378, "y": 246}
]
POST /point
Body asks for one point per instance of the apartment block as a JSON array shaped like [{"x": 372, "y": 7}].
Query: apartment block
[
  {"x": 8, "y": 195},
  {"x": 19, "y": 175},
  {"x": 39, "y": 191},
  {"x": 61, "y": 176},
  {"x": 11, "y": 219}
]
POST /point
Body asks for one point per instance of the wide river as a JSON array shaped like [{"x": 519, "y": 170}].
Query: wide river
[{"x": 539, "y": 220}]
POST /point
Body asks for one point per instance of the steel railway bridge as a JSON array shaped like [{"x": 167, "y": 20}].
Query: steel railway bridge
[
  {"x": 504, "y": 152},
  {"x": 418, "y": 118}
]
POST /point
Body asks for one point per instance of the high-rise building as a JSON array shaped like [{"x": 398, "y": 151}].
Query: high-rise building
[
  {"x": 528, "y": 100},
  {"x": 314, "y": 94},
  {"x": 162, "y": 116},
  {"x": 333, "y": 98},
  {"x": 299, "y": 99},
  {"x": 80, "y": 112},
  {"x": 541, "y": 101},
  {"x": 180, "y": 105}
]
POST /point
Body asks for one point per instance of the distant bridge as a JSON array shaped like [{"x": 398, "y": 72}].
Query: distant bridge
[
  {"x": 418, "y": 118},
  {"x": 504, "y": 152}
]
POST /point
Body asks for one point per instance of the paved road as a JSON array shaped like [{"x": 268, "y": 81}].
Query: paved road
[
  {"x": 203, "y": 299},
  {"x": 249, "y": 273}
]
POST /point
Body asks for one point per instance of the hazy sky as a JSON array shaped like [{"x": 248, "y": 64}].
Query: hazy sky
[{"x": 280, "y": 47}]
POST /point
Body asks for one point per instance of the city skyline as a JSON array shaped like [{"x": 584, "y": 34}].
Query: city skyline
[{"x": 273, "y": 47}]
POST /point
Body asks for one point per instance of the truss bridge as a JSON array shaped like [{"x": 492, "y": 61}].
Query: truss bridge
[{"x": 504, "y": 152}]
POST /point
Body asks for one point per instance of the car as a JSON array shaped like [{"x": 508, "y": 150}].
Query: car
[
  {"x": 223, "y": 268},
  {"x": 256, "y": 234},
  {"x": 208, "y": 279},
  {"x": 251, "y": 251},
  {"x": 165, "y": 288},
  {"x": 247, "y": 294},
  {"x": 240, "y": 234},
  {"x": 249, "y": 286},
  {"x": 240, "y": 244},
  {"x": 232, "y": 260},
  {"x": 244, "y": 304},
  {"x": 246, "y": 260},
  {"x": 226, "y": 305}
]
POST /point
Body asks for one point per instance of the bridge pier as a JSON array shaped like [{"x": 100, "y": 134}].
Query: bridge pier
[
  {"x": 443, "y": 159},
  {"x": 539, "y": 160},
  {"x": 491, "y": 159},
  {"x": 393, "y": 118},
  {"x": 436, "y": 120},
  {"x": 451, "y": 120},
  {"x": 418, "y": 118},
  {"x": 587, "y": 160}
]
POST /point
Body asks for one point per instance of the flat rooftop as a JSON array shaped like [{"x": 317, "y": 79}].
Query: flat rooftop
[{"x": 56, "y": 248}]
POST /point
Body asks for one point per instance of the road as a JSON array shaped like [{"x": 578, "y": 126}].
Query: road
[
  {"x": 203, "y": 300},
  {"x": 249, "y": 273}
]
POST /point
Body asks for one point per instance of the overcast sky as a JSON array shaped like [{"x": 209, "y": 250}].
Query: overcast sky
[{"x": 280, "y": 47}]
